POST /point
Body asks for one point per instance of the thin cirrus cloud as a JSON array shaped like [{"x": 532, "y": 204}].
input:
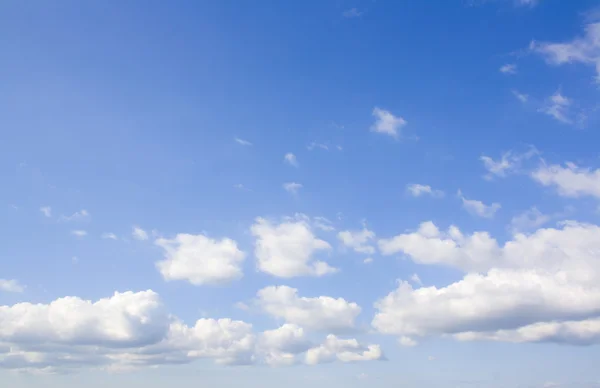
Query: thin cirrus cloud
[
  {"x": 79, "y": 233},
  {"x": 242, "y": 141},
  {"x": 46, "y": 211},
  {"x": 109, "y": 236},
  {"x": 478, "y": 208}
]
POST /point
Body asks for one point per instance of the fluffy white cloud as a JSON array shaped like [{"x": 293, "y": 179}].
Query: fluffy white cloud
[
  {"x": 417, "y": 190},
  {"x": 132, "y": 330},
  {"x": 386, "y": 123},
  {"x": 570, "y": 181},
  {"x": 200, "y": 259},
  {"x": 557, "y": 106},
  {"x": 46, "y": 211},
  {"x": 139, "y": 233},
  {"x": 358, "y": 240},
  {"x": 538, "y": 287},
  {"x": 349, "y": 350},
  {"x": 287, "y": 249},
  {"x": 77, "y": 216},
  {"x": 292, "y": 187},
  {"x": 479, "y": 208},
  {"x": 291, "y": 159},
  {"x": 585, "y": 49},
  {"x": 322, "y": 313},
  {"x": 509, "y": 68},
  {"x": 11, "y": 285}
]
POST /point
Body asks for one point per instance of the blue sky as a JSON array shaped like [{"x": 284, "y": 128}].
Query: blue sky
[{"x": 335, "y": 193}]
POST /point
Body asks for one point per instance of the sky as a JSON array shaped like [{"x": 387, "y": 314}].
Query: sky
[{"x": 341, "y": 193}]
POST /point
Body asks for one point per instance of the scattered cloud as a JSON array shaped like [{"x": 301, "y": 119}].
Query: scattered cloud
[
  {"x": 200, "y": 260},
  {"x": 11, "y": 285},
  {"x": 77, "y": 216},
  {"x": 342, "y": 350},
  {"x": 321, "y": 313},
  {"x": 509, "y": 68},
  {"x": 570, "y": 180},
  {"x": 386, "y": 123},
  {"x": 290, "y": 159},
  {"x": 417, "y": 190},
  {"x": 352, "y": 13},
  {"x": 557, "y": 106},
  {"x": 46, "y": 211},
  {"x": 479, "y": 208},
  {"x": 520, "y": 96},
  {"x": 358, "y": 240},
  {"x": 292, "y": 187},
  {"x": 109, "y": 236},
  {"x": 288, "y": 249},
  {"x": 79, "y": 233},
  {"x": 314, "y": 145},
  {"x": 139, "y": 233},
  {"x": 509, "y": 162},
  {"x": 242, "y": 141}
]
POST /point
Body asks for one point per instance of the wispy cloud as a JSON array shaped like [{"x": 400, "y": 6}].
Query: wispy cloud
[
  {"x": 291, "y": 159},
  {"x": 510, "y": 161},
  {"x": 139, "y": 233},
  {"x": 557, "y": 106},
  {"x": 352, "y": 13},
  {"x": 11, "y": 285},
  {"x": 386, "y": 123},
  {"x": 417, "y": 190},
  {"x": 241, "y": 187},
  {"x": 46, "y": 211},
  {"x": 292, "y": 187},
  {"x": 314, "y": 145},
  {"x": 520, "y": 96},
  {"x": 242, "y": 141},
  {"x": 479, "y": 208},
  {"x": 109, "y": 236},
  {"x": 79, "y": 233},
  {"x": 509, "y": 68},
  {"x": 77, "y": 216}
]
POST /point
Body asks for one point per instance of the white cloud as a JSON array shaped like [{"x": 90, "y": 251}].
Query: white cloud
[
  {"x": 538, "y": 287},
  {"x": 291, "y": 159},
  {"x": 478, "y": 208},
  {"x": 416, "y": 279},
  {"x": 509, "y": 68},
  {"x": 386, "y": 123},
  {"x": 349, "y": 350},
  {"x": 292, "y": 187},
  {"x": 77, "y": 216},
  {"x": 11, "y": 285},
  {"x": 358, "y": 240},
  {"x": 528, "y": 220},
  {"x": 242, "y": 141},
  {"x": 509, "y": 162},
  {"x": 46, "y": 211},
  {"x": 417, "y": 190},
  {"x": 570, "y": 181},
  {"x": 287, "y": 249},
  {"x": 368, "y": 260},
  {"x": 520, "y": 96},
  {"x": 323, "y": 224},
  {"x": 557, "y": 106},
  {"x": 139, "y": 233},
  {"x": 200, "y": 260},
  {"x": 585, "y": 49},
  {"x": 321, "y": 313},
  {"x": 109, "y": 236},
  {"x": 352, "y": 13},
  {"x": 79, "y": 233},
  {"x": 132, "y": 330},
  {"x": 315, "y": 145}
]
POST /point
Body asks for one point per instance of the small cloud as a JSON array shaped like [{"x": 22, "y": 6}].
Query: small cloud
[
  {"x": 109, "y": 236},
  {"x": 324, "y": 224},
  {"x": 431, "y": 358},
  {"x": 242, "y": 306},
  {"x": 407, "y": 341},
  {"x": 241, "y": 187},
  {"x": 292, "y": 187},
  {"x": 509, "y": 68},
  {"x": 417, "y": 190},
  {"x": 351, "y": 13},
  {"x": 368, "y": 260},
  {"x": 242, "y": 141},
  {"x": 416, "y": 279},
  {"x": 14, "y": 207},
  {"x": 46, "y": 211},
  {"x": 478, "y": 208},
  {"x": 386, "y": 123},
  {"x": 557, "y": 106},
  {"x": 314, "y": 145},
  {"x": 77, "y": 216},
  {"x": 79, "y": 233},
  {"x": 139, "y": 234},
  {"x": 528, "y": 220},
  {"x": 520, "y": 96},
  {"x": 339, "y": 147},
  {"x": 291, "y": 159},
  {"x": 509, "y": 162},
  {"x": 11, "y": 285}
]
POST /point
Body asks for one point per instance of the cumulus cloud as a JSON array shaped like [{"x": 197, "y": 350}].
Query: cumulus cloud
[
  {"x": 292, "y": 187},
  {"x": 570, "y": 180},
  {"x": 358, "y": 240},
  {"x": 46, "y": 211},
  {"x": 386, "y": 123},
  {"x": 132, "y": 330},
  {"x": 288, "y": 249},
  {"x": 479, "y": 208},
  {"x": 509, "y": 68},
  {"x": 139, "y": 233},
  {"x": 200, "y": 260},
  {"x": 349, "y": 350},
  {"x": 417, "y": 190},
  {"x": 537, "y": 287},
  {"x": 321, "y": 313},
  {"x": 11, "y": 285},
  {"x": 291, "y": 159}
]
